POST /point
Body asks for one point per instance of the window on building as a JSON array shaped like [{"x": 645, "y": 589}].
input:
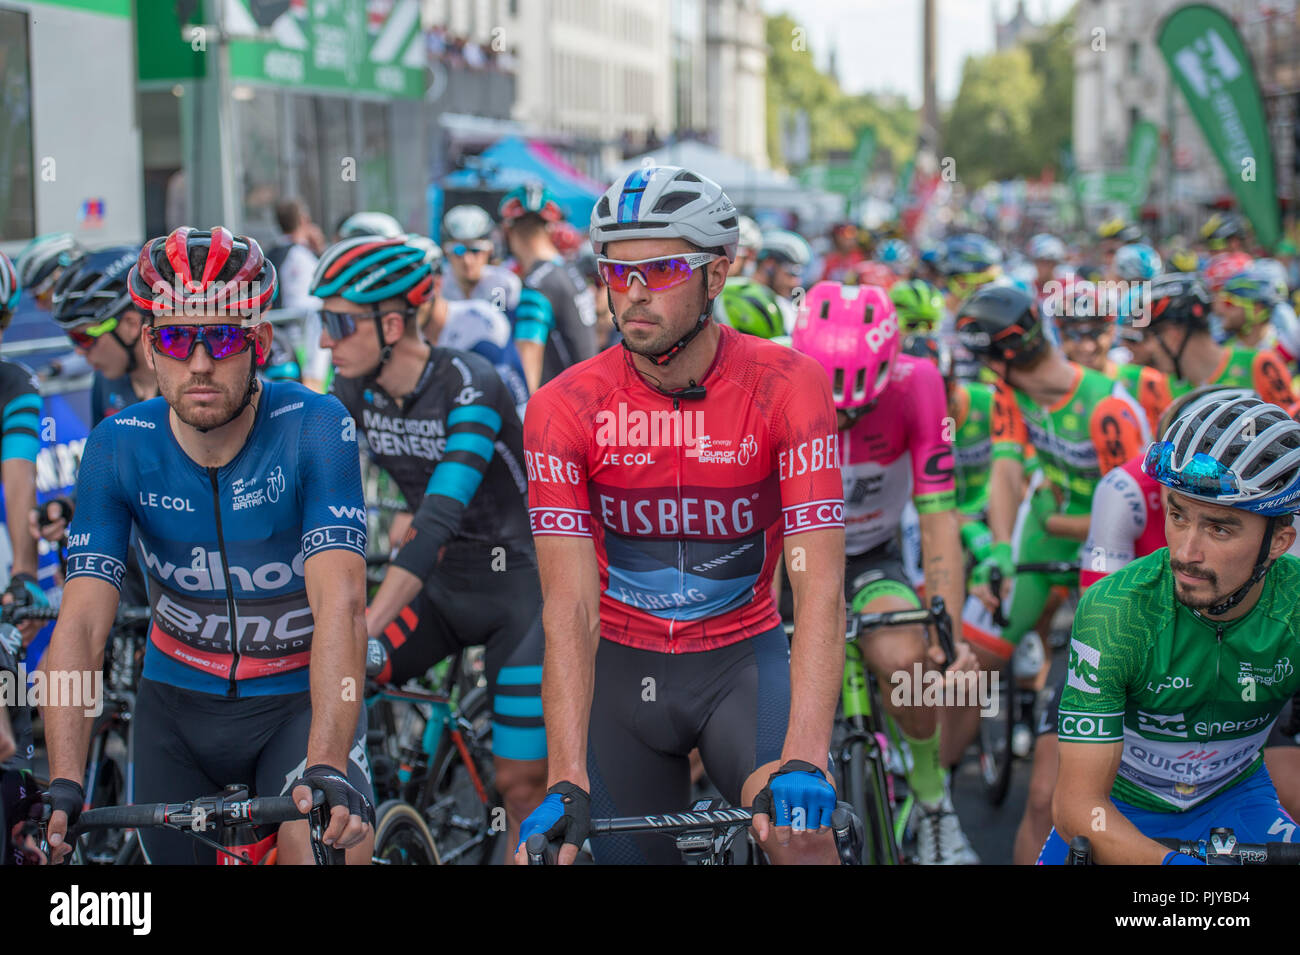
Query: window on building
[{"x": 17, "y": 172}]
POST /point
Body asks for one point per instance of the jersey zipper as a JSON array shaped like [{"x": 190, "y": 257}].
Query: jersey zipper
[{"x": 232, "y": 690}]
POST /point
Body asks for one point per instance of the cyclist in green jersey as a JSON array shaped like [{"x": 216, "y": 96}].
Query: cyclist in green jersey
[
  {"x": 1181, "y": 661},
  {"x": 1081, "y": 425},
  {"x": 1169, "y": 329},
  {"x": 1085, "y": 315}
]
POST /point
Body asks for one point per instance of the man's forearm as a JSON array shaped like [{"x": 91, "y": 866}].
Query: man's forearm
[
  {"x": 1115, "y": 840},
  {"x": 338, "y": 652},
  {"x": 816, "y": 668},
  {"x": 67, "y": 726},
  {"x": 531, "y": 355},
  {"x": 1070, "y": 526},
  {"x": 399, "y": 588},
  {"x": 941, "y": 550},
  {"x": 20, "y": 500},
  {"x": 1005, "y": 480},
  {"x": 568, "y": 683}
]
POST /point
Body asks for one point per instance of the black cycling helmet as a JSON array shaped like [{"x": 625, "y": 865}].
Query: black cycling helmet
[
  {"x": 932, "y": 349},
  {"x": 1003, "y": 323},
  {"x": 1179, "y": 298},
  {"x": 93, "y": 288}
]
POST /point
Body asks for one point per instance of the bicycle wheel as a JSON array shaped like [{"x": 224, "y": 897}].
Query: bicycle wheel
[
  {"x": 870, "y": 802},
  {"x": 106, "y": 775},
  {"x": 463, "y": 810},
  {"x": 401, "y": 837},
  {"x": 996, "y": 755}
]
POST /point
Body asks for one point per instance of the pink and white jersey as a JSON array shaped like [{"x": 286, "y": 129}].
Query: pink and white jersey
[{"x": 899, "y": 449}]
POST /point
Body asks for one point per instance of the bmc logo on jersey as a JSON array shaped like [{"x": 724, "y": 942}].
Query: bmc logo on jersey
[{"x": 878, "y": 334}]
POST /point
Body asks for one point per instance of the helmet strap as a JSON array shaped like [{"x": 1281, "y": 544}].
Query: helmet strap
[
  {"x": 1262, "y": 565},
  {"x": 385, "y": 350},
  {"x": 1177, "y": 359},
  {"x": 131, "y": 361}
]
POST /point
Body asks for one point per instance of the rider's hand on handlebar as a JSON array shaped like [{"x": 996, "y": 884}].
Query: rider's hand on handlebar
[
  {"x": 351, "y": 816},
  {"x": 566, "y": 811},
  {"x": 797, "y": 798},
  {"x": 66, "y": 799},
  {"x": 50, "y": 520},
  {"x": 964, "y": 661},
  {"x": 999, "y": 557}
]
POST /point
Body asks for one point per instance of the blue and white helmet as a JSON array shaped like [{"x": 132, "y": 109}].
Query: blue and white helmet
[
  {"x": 1137, "y": 262},
  {"x": 9, "y": 287},
  {"x": 38, "y": 262},
  {"x": 1045, "y": 246},
  {"x": 895, "y": 253},
  {"x": 655, "y": 202},
  {"x": 1234, "y": 449}
]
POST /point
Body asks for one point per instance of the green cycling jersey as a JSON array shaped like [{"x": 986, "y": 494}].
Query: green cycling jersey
[{"x": 1191, "y": 699}]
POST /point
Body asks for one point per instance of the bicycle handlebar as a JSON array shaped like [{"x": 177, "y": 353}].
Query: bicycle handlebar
[
  {"x": 1221, "y": 848},
  {"x": 936, "y": 615},
  {"x": 197, "y": 814}
]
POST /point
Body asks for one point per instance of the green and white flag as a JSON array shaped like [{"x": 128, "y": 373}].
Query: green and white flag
[{"x": 1213, "y": 69}]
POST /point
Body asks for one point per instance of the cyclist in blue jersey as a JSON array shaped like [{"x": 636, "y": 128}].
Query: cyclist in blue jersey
[
  {"x": 250, "y": 523},
  {"x": 444, "y": 426}
]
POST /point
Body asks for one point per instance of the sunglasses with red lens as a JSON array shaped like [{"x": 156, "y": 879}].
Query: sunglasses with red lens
[
  {"x": 222, "y": 341},
  {"x": 657, "y": 274}
]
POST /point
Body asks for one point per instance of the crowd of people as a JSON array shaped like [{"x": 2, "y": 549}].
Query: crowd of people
[{"x": 884, "y": 419}]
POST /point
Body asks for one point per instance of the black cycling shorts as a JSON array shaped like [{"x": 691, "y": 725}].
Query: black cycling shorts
[
  {"x": 651, "y": 709},
  {"x": 878, "y": 572},
  {"x": 190, "y": 744},
  {"x": 466, "y": 603}
]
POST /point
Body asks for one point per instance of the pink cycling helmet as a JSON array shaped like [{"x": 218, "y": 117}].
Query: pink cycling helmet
[{"x": 853, "y": 331}]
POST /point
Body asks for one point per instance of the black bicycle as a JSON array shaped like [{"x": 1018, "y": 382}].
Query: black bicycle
[
  {"x": 1013, "y": 704},
  {"x": 706, "y": 834},
  {"x": 1222, "y": 848}
]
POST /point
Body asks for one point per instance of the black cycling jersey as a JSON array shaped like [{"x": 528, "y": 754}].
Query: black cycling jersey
[
  {"x": 20, "y": 408},
  {"x": 108, "y": 396},
  {"x": 566, "y": 306},
  {"x": 455, "y": 446}
]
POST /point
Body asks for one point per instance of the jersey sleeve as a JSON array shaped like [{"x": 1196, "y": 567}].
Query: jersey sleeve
[
  {"x": 534, "y": 317},
  {"x": 1272, "y": 381},
  {"x": 101, "y": 525},
  {"x": 1006, "y": 426},
  {"x": 329, "y": 478},
  {"x": 473, "y": 425},
  {"x": 21, "y": 416},
  {"x": 1119, "y": 517},
  {"x": 805, "y": 439},
  {"x": 1103, "y": 662},
  {"x": 1153, "y": 395},
  {"x": 930, "y": 432},
  {"x": 1117, "y": 431},
  {"x": 555, "y": 454}
]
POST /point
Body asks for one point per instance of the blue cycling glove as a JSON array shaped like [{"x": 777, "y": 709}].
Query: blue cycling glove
[
  {"x": 566, "y": 811},
  {"x": 27, "y": 591},
  {"x": 800, "y": 795},
  {"x": 1177, "y": 858}
]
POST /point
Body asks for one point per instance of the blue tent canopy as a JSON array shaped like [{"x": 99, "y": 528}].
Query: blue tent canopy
[{"x": 512, "y": 161}]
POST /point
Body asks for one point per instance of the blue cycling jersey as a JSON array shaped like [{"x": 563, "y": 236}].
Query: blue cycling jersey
[{"x": 225, "y": 542}]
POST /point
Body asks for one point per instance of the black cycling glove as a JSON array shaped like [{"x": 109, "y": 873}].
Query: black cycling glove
[
  {"x": 338, "y": 791},
  {"x": 66, "y": 795}
]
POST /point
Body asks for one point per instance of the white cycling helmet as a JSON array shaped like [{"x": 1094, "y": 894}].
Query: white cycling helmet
[
  {"x": 1046, "y": 247},
  {"x": 787, "y": 246},
  {"x": 751, "y": 235},
  {"x": 43, "y": 256},
  {"x": 666, "y": 202},
  {"x": 370, "y": 223},
  {"x": 466, "y": 223}
]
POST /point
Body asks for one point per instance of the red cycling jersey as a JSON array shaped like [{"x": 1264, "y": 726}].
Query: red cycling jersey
[{"x": 687, "y": 506}]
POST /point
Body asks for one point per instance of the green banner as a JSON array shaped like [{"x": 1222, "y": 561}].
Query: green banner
[
  {"x": 336, "y": 45},
  {"x": 112, "y": 8},
  {"x": 1143, "y": 144},
  {"x": 865, "y": 151},
  {"x": 1212, "y": 68}
]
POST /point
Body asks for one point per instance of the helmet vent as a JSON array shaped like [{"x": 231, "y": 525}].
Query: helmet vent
[
  {"x": 837, "y": 385},
  {"x": 602, "y": 207},
  {"x": 686, "y": 176},
  {"x": 825, "y": 310},
  {"x": 672, "y": 202}
]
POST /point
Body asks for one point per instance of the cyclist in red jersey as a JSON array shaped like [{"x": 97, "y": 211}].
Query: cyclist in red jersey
[{"x": 666, "y": 478}]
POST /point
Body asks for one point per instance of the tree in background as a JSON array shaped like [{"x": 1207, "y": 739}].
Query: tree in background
[
  {"x": 835, "y": 119},
  {"x": 1014, "y": 111}
]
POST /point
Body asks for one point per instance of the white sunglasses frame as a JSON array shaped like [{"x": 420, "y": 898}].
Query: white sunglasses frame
[{"x": 693, "y": 259}]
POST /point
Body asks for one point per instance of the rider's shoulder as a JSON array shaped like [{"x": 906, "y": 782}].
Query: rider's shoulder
[
  {"x": 17, "y": 377},
  {"x": 1139, "y": 586}
]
